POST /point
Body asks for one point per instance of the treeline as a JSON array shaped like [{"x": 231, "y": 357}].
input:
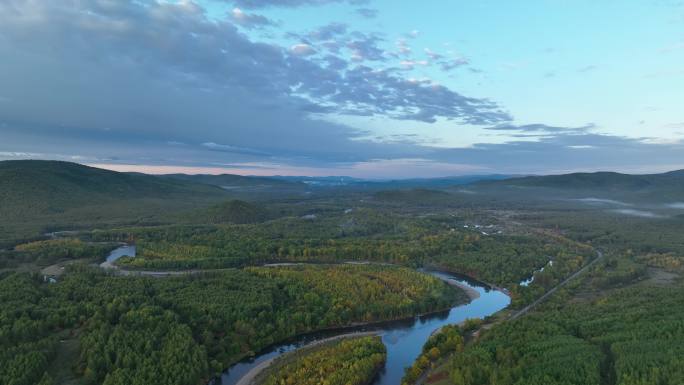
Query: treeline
[
  {"x": 508, "y": 260},
  {"x": 353, "y": 361},
  {"x": 616, "y": 231},
  {"x": 629, "y": 337},
  {"x": 182, "y": 330},
  {"x": 563, "y": 265},
  {"x": 448, "y": 340},
  {"x": 369, "y": 293},
  {"x": 28, "y": 339},
  {"x": 55, "y": 250},
  {"x": 501, "y": 259}
]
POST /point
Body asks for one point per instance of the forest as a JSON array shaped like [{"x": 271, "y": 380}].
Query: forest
[
  {"x": 183, "y": 330},
  {"x": 630, "y": 337},
  {"x": 619, "y": 324},
  {"x": 259, "y": 272},
  {"x": 446, "y": 341},
  {"x": 55, "y": 250},
  {"x": 362, "y": 235},
  {"x": 350, "y": 361}
]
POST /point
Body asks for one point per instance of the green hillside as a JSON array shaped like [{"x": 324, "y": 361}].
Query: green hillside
[
  {"x": 233, "y": 211},
  {"x": 39, "y": 196},
  {"x": 415, "y": 196},
  {"x": 652, "y": 187},
  {"x": 51, "y": 186}
]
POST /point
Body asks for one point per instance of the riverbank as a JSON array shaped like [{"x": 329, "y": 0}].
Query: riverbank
[
  {"x": 248, "y": 378},
  {"x": 403, "y": 337},
  {"x": 470, "y": 292},
  {"x": 352, "y": 329},
  {"x": 404, "y": 340}
]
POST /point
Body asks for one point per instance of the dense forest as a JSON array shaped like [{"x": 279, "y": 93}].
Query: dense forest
[
  {"x": 43, "y": 196},
  {"x": 630, "y": 337},
  {"x": 351, "y": 361},
  {"x": 362, "y": 235},
  {"x": 55, "y": 250},
  {"x": 619, "y": 323},
  {"x": 446, "y": 341},
  {"x": 138, "y": 330}
]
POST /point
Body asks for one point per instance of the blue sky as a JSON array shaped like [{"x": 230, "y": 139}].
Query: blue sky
[{"x": 371, "y": 88}]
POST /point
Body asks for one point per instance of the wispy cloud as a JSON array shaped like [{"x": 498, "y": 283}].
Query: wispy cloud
[
  {"x": 251, "y": 20},
  {"x": 161, "y": 81},
  {"x": 368, "y": 13},
  {"x": 253, "y": 4}
]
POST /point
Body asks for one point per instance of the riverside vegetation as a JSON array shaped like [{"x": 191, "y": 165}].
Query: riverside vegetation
[
  {"x": 181, "y": 330},
  {"x": 617, "y": 324},
  {"x": 353, "y": 361}
]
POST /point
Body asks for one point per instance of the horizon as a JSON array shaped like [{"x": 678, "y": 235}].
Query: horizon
[
  {"x": 361, "y": 88},
  {"x": 169, "y": 170},
  {"x": 219, "y": 171}
]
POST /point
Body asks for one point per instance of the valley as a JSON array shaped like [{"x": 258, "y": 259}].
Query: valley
[
  {"x": 223, "y": 286},
  {"x": 341, "y": 192}
]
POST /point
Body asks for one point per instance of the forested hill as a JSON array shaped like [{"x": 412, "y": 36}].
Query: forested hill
[
  {"x": 66, "y": 183},
  {"x": 54, "y": 185},
  {"x": 235, "y": 181},
  {"x": 606, "y": 180},
  {"x": 232, "y": 211},
  {"x": 666, "y": 185}
]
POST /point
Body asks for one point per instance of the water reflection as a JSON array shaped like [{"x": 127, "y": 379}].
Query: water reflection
[{"x": 404, "y": 339}]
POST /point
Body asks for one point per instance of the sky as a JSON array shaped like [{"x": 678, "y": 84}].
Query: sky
[{"x": 365, "y": 88}]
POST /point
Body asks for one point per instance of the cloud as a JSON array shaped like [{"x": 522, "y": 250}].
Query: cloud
[
  {"x": 412, "y": 34},
  {"x": 133, "y": 79},
  {"x": 233, "y": 149},
  {"x": 411, "y": 64},
  {"x": 302, "y": 50},
  {"x": 253, "y": 4},
  {"x": 22, "y": 155},
  {"x": 403, "y": 48},
  {"x": 368, "y": 13},
  {"x": 328, "y": 32},
  {"x": 572, "y": 149},
  {"x": 433, "y": 55},
  {"x": 675, "y": 125},
  {"x": 542, "y": 128},
  {"x": 138, "y": 52},
  {"x": 366, "y": 47},
  {"x": 445, "y": 63},
  {"x": 451, "y": 64},
  {"x": 250, "y": 20}
]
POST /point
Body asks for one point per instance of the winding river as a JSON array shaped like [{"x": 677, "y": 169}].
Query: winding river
[{"x": 403, "y": 339}]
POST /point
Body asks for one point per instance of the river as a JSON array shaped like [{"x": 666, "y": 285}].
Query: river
[
  {"x": 403, "y": 339},
  {"x": 123, "y": 251}
]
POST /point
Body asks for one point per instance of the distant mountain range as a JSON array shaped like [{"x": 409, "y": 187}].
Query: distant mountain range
[
  {"x": 608, "y": 180},
  {"x": 229, "y": 181},
  {"x": 53, "y": 186},
  {"x": 350, "y": 182},
  {"x": 653, "y": 187}
]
